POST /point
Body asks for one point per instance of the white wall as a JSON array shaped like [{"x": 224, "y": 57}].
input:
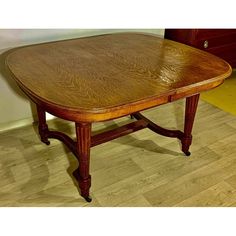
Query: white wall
[{"x": 15, "y": 108}]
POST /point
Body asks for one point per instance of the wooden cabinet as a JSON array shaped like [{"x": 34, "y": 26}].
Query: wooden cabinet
[{"x": 221, "y": 42}]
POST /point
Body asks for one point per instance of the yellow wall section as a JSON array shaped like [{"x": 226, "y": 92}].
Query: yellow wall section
[{"x": 223, "y": 97}]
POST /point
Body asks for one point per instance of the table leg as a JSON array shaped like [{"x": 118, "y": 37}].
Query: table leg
[
  {"x": 42, "y": 126},
  {"x": 83, "y": 133},
  {"x": 190, "y": 111}
]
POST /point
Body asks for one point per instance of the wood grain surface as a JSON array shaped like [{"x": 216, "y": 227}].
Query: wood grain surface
[{"x": 108, "y": 76}]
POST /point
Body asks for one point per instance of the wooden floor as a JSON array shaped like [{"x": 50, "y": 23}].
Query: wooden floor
[{"x": 142, "y": 169}]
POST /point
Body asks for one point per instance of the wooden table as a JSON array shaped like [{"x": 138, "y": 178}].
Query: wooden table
[{"x": 104, "y": 77}]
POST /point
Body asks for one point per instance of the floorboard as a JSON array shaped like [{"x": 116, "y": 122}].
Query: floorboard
[{"x": 142, "y": 169}]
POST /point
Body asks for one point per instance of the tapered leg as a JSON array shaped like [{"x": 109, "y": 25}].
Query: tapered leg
[
  {"x": 190, "y": 111},
  {"x": 83, "y": 133},
  {"x": 42, "y": 126}
]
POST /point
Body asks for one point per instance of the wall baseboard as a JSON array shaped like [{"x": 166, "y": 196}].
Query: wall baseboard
[
  {"x": 4, "y": 127},
  {"x": 16, "y": 124}
]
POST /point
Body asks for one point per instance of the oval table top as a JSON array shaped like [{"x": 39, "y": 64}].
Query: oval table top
[{"x": 107, "y": 76}]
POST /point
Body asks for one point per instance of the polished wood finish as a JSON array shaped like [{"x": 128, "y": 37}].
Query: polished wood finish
[
  {"x": 186, "y": 136},
  {"x": 190, "y": 112},
  {"x": 118, "y": 132},
  {"x": 84, "y": 70},
  {"x": 220, "y": 42},
  {"x": 157, "y": 129},
  {"x": 42, "y": 127},
  {"x": 109, "y": 76},
  {"x": 45, "y": 133},
  {"x": 83, "y": 134}
]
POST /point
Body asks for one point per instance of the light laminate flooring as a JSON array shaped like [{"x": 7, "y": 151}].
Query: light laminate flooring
[{"x": 141, "y": 170}]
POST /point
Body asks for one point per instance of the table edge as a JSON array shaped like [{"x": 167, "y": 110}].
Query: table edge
[
  {"x": 93, "y": 115},
  {"x": 107, "y": 113}
]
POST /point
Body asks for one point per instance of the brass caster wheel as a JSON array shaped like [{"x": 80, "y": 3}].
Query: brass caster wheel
[
  {"x": 46, "y": 142},
  {"x": 88, "y": 199},
  {"x": 187, "y": 153}
]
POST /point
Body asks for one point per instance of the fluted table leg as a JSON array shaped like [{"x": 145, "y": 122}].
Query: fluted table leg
[
  {"x": 83, "y": 133},
  {"x": 42, "y": 126},
  {"x": 190, "y": 112}
]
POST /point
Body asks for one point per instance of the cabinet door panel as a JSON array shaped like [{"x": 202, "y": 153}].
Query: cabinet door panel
[
  {"x": 217, "y": 41},
  {"x": 221, "y": 42},
  {"x": 186, "y": 36},
  {"x": 226, "y": 52},
  {"x": 211, "y": 33}
]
